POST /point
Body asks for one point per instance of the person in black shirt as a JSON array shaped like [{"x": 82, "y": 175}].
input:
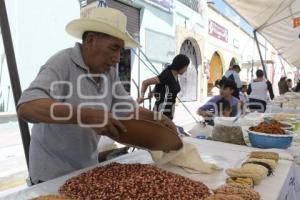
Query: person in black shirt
[
  {"x": 166, "y": 86},
  {"x": 290, "y": 84},
  {"x": 297, "y": 88}
]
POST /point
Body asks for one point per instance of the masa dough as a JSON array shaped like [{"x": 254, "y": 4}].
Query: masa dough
[{"x": 187, "y": 157}]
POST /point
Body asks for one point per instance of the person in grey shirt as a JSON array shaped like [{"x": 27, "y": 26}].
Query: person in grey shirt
[{"x": 77, "y": 96}]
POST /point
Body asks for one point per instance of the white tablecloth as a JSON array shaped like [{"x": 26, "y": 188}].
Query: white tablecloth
[
  {"x": 282, "y": 185},
  {"x": 278, "y": 109}
]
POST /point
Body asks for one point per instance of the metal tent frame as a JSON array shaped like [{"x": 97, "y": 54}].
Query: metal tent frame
[
  {"x": 259, "y": 52},
  {"x": 13, "y": 75},
  {"x": 273, "y": 23}
]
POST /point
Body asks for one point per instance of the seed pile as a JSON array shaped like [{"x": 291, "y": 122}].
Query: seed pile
[
  {"x": 132, "y": 181},
  {"x": 268, "y": 128}
]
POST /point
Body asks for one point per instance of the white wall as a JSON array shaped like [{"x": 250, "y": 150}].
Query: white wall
[
  {"x": 247, "y": 48},
  {"x": 226, "y": 49},
  {"x": 195, "y": 24},
  {"x": 155, "y": 19},
  {"x": 38, "y": 31},
  {"x": 188, "y": 18}
]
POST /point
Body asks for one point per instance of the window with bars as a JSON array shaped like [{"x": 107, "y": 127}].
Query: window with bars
[{"x": 193, "y": 4}]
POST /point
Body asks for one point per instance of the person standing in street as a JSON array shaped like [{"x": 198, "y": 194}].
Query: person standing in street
[
  {"x": 244, "y": 97},
  {"x": 233, "y": 74},
  {"x": 290, "y": 84},
  {"x": 297, "y": 87},
  {"x": 283, "y": 85},
  {"x": 216, "y": 89},
  {"x": 258, "y": 91},
  {"x": 166, "y": 86}
]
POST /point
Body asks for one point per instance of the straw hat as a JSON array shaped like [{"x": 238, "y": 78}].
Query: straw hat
[{"x": 104, "y": 20}]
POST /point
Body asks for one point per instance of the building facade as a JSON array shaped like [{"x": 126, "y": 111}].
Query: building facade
[
  {"x": 190, "y": 30},
  {"x": 211, "y": 40},
  {"x": 229, "y": 44}
]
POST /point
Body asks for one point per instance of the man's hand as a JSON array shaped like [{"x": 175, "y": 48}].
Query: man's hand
[
  {"x": 112, "y": 128},
  {"x": 39, "y": 111}
]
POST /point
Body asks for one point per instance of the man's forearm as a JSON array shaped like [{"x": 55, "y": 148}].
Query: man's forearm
[
  {"x": 49, "y": 111},
  {"x": 40, "y": 111}
]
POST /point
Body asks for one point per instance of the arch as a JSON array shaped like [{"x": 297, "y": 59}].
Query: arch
[
  {"x": 215, "y": 71},
  {"x": 196, "y": 46},
  {"x": 189, "y": 80}
]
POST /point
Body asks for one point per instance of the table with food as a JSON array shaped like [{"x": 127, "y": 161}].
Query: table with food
[
  {"x": 252, "y": 158},
  {"x": 188, "y": 168},
  {"x": 227, "y": 172},
  {"x": 267, "y": 131},
  {"x": 287, "y": 103}
]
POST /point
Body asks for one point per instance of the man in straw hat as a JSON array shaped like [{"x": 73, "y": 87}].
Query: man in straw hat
[{"x": 77, "y": 96}]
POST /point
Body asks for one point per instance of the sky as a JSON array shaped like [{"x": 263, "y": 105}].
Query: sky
[{"x": 221, "y": 6}]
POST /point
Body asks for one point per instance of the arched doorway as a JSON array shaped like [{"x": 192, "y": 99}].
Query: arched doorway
[
  {"x": 189, "y": 80},
  {"x": 215, "y": 72}
]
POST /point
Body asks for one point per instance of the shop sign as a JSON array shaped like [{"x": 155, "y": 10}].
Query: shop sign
[{"x": 217, "y": 31}]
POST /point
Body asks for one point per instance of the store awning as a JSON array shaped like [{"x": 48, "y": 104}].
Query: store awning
[{"x": 277, "y": 20}]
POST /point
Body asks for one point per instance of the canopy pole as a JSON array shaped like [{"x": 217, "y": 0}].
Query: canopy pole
[
  {"x": 282, "y": 65},
  {"x": 13, "y": 75},
  {"x": 252, "y": 69},
  {"x": 259, "y": 52}
]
